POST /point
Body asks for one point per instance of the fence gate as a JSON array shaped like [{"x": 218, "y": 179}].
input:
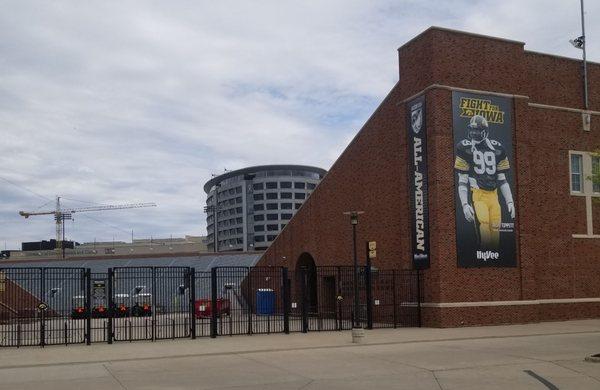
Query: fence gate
[
  {"x": 246, "y": 300},
  {"x": 395, "y": 298},
  {"x": 322, "y": 298},
  {"x": 202, "y": 302},
  {"x": 150, "y": 303},
  {"x": 44, "y": 306}
]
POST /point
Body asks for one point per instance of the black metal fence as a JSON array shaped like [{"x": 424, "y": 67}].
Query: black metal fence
[{"x": 44, "y": 306}]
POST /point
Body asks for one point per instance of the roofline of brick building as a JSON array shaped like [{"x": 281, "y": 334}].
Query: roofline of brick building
[{"x": 450, "y": 30}]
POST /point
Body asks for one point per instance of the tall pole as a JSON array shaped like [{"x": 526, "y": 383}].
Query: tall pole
[
  {"x": 62, "y": 243},
  {"x": 585, "y": 83},
  {"x": 215, "y": 209},
  {"x": 215, "y": 226},
  {"x": 354, "y": 221},
  {"x": 59, "y": 229}
]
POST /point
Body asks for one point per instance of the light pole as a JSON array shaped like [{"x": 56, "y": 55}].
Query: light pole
[
  {"x": 354, "y": 221},
  {"x": 214, "y": 208},
  {"x": 579, "y": 43}
]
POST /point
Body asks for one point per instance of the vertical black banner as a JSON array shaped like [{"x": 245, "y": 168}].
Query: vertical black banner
[
  {"x": 417, "y": 167},
  {"x": 484, "y": 180}
]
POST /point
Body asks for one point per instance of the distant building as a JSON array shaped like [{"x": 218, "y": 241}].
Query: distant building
[
  {"x": 45, "y": 245},
  {"x": 188, "y": 245},
  {"x": 252, "y": 205}
]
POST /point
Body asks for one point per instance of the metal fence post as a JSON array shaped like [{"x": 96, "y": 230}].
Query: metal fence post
[
  {"x": 111, "y": 305},
  {"x": 153, "y": 304},
  {"x": 88, "y": 305},
  {"x": 192, "y": 303},
  {"x": 394, "y": 298},
  {"x": 213, "y": 303},
  {"x": 369, "y": 294},
  {"x": 250, "y": 297},
  {"x": 42, "y": 313},
  {"x": 339, "y": 321},
  {"x": 419, "y": 295},
  {"x": 304, "y": 309},
  {"x": 286, "y": 300}
]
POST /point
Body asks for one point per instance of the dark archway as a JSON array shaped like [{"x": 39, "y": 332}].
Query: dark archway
[{"x": 306, "y": 280}]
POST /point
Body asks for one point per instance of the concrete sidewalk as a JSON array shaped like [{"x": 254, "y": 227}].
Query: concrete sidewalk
[{"x": 521, "y": 356}]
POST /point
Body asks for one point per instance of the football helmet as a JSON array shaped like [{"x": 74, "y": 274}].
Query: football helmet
[{"x": 478, "y": 128}]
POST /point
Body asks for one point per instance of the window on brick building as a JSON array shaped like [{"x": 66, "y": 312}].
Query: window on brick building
[
  {"x": 583, "y": 166},
  {"x": 576, "y": 172}
]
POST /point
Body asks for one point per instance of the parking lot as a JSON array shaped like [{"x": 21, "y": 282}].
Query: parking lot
[{"x": 536, "y": 356}]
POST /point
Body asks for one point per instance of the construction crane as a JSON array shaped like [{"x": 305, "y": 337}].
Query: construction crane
[{"x": 61, "y": 215}]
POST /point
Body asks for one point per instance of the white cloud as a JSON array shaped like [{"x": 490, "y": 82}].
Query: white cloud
[{"x": 141, "y": 101}]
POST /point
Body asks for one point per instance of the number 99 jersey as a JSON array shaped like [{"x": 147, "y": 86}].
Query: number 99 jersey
[{"x": 482, "y": 161}]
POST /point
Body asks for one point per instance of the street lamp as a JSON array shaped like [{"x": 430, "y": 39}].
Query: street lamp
[{"x": 354, "y": 221}]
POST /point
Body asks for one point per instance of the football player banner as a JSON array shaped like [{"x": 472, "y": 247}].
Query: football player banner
[{"x": 484, "y": 180}]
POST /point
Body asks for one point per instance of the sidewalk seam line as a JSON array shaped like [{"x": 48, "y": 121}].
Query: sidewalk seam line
[{"x": 241, "y": 352}]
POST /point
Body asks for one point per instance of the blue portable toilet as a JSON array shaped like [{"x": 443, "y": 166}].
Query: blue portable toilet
[{"x": 265, "y": 302}]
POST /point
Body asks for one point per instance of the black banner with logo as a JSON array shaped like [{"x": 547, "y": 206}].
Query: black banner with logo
[
  {"x": 484, "y": 180},
  {"x": 417, "y": 166}
]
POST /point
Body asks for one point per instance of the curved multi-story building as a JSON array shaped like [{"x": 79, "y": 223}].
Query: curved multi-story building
[{"x": 250, "y": 206}]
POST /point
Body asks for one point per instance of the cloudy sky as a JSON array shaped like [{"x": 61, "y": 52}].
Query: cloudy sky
[{"x": 126, "y": 101}]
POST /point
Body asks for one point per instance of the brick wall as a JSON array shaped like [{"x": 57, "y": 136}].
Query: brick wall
[{"x": 371, "y": 175}]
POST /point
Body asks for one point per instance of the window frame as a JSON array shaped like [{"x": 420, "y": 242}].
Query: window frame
[
  {"x": 597, "y": 158},
  {"x": 587, "y": 185}
]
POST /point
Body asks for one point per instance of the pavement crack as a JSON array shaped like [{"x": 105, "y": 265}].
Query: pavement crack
[
  {"x": 472, "y": 367},
  {"x": 114, "y": 377},
  {"x": 304, "y": 386},
  {"x": 395, "y": 362},
  {"x": 437, "y": 380},
  {"x": 576, "y": 371}
]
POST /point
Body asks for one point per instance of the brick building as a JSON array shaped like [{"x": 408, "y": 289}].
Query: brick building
[{"x": 556, "y": 270}]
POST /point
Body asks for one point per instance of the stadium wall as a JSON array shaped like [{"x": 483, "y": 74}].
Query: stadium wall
[{"x": 557, "y": 259}]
